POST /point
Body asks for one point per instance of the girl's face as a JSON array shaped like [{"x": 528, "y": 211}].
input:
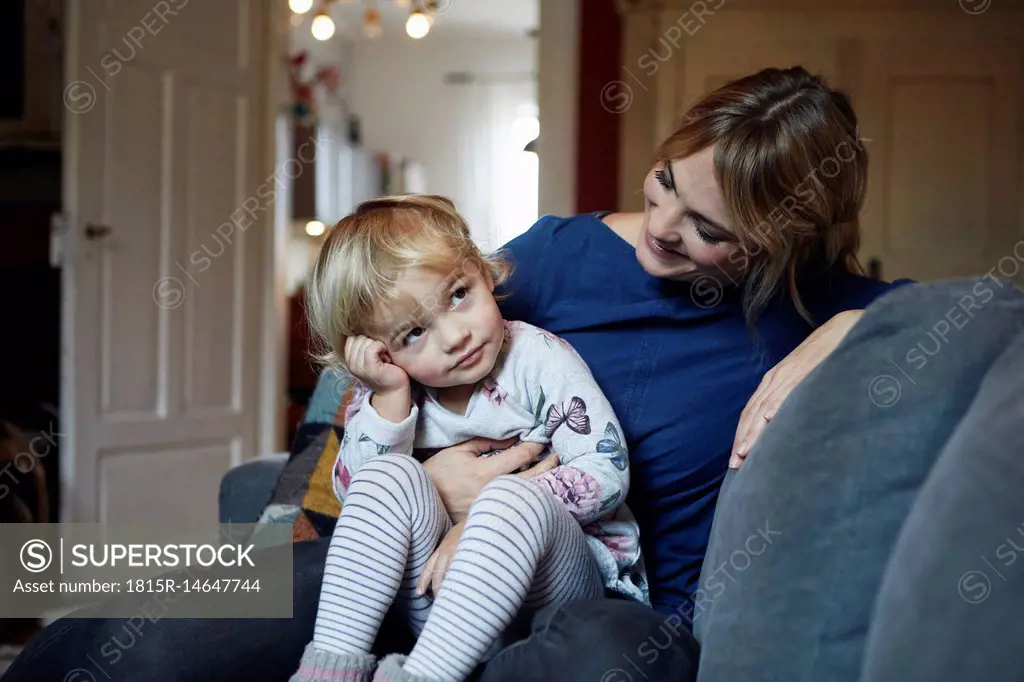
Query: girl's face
[
  {"x": 687, "y": 232},
  {"x": 445, "y": 329}
]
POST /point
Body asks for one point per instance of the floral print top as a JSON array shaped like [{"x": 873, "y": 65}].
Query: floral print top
[{"x": 541, "y": 391}]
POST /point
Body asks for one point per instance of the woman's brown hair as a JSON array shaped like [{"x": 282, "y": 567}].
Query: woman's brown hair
[{"x": 793, "y": 173}]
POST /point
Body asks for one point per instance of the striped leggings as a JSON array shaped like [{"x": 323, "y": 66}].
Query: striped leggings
[{"x": 521, "y": 548}]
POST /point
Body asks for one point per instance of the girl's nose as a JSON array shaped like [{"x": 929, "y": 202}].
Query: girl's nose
[{"x": 455, "y": 339}]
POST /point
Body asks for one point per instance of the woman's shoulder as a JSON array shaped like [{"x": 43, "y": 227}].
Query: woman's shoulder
[
  {"x": 839, "y": 289},
  {"x": 549, "y": 230}
]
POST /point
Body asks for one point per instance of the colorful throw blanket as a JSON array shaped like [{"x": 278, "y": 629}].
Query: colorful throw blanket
[{"x": 304, "y": 495}]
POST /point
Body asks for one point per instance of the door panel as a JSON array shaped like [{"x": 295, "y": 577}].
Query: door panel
[
  {"x": 132, "y": 187},
  {"x": 217, "y": 125}
]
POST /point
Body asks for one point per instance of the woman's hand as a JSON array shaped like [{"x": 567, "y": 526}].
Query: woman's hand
[
  {"x": 459, "y": 473},
  {"x": 780, "y": 381},
  {"x": 437, "y": 565}
]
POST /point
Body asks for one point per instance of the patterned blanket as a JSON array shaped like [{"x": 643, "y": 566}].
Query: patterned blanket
[{"x": 304, "y": 496}]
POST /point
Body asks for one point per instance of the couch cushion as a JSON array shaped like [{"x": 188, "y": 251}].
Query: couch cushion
[
  {"x": 802, "y": 533},
  {"x": 949, "y": 608},
  {"x": 304, "y": 495}
]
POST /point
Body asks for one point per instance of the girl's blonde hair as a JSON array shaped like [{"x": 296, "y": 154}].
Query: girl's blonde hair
[
  {"x": 793, "y": 174},
  {"x": 364, "y": 254}
]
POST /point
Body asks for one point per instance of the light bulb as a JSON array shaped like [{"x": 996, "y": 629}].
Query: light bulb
[
  {"x": 323, "y": 26},
  {"x": 315, "y": 228},
  {"x": 417, "y": 25},
  {"x": 300, "y": 6}
]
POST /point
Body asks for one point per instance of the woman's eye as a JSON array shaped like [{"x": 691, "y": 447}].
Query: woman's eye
[
  {"x": 663, "y": 180},
  {"x": 413, "y": 335},
  {"x": 704, "y": 236}
]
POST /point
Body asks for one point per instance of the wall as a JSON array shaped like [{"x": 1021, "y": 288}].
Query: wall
[
  {"x": 597, "y": 142},
  {"x": 558, "y": 49},
  {"x": 406, "y": 109}
]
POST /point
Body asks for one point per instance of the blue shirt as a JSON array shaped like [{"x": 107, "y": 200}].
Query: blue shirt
[{"x": 676, "y": 360}]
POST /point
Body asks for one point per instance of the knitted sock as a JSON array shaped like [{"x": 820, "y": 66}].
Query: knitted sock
[
  {"x": 391, "y": 670},
  {"x": 390, "y": 524},
  {"x": 327, "y": 666},
  {"x": 521, "y": 547}
]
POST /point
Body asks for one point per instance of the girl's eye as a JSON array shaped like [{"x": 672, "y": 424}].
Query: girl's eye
[
  {"x": 459, "y": 295},
  {"x": 413, "y": 335}
]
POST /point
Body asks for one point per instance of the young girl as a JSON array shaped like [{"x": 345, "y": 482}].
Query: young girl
[{"x": 404, "y": 301}]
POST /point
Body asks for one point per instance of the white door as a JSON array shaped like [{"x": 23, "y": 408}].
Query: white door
[
  {"x": 947, "y": 142},
  {"x": 165, "y": 151}
]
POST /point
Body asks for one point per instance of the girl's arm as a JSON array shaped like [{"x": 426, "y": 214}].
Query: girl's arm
[
  {"x": 368, "y": 435},
  {"x": 574, "y": 416}
]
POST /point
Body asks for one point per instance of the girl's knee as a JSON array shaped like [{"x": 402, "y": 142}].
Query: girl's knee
[
  {"x": 520, "y": 494},
  {"x": 396, "y": 472}
]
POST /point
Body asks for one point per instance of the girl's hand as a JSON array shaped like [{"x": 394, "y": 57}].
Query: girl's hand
[
  {"x": 459, "y": 472},
  {"x": 368, "y": 359},
  {"x": 437, "y": 565},
  {"x": 780, "y": 381}
]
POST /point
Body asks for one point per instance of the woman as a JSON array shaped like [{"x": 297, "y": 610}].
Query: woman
[{"x": 697, "y": 317}]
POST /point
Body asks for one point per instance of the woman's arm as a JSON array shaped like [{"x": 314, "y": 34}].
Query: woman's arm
[
  {"x": 780, "y": 381},
  {"x": 459, "y": 472}
]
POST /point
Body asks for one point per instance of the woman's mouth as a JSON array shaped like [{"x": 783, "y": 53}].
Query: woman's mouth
[{"x": 663, "y": 252}]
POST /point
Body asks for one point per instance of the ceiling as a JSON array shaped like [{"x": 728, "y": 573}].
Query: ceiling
[{"x": 463, "y": 18}]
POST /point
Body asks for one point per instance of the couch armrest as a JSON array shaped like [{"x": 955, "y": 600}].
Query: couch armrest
[{"x": 246, "y": 489}]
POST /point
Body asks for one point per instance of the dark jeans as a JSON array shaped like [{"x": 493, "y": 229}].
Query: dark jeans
[{"x": 610, "y": 640}]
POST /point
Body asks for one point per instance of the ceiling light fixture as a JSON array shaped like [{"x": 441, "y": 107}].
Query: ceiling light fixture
[
  {"x": 431, "y": 8},
  {"x": 417, "y": 25},
  {"x": 323, "y": 25},
  {"x": 300, "y": 6},
  {"x": 371, "y": 21}
]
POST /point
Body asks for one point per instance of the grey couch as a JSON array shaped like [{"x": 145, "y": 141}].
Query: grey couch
[{"x": 246, "y": 488}]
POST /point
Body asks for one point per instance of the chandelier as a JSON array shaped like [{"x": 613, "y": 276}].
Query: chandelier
[{"x": 417, "y": 25}]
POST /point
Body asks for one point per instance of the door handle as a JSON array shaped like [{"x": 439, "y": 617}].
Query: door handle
[{"x": 94, "y": 232}]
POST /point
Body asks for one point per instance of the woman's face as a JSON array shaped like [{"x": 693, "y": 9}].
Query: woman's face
[{"x": 687, "y": 233}]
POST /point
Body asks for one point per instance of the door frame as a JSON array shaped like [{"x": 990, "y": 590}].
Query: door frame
[{"x": 271, "y": 404}]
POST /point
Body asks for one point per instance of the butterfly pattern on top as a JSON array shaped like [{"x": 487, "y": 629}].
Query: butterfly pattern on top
[
  {"x": 573, "y": 415},
  {"x": 492, "y": 391},
  {"x": 612, "y": 445}
]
